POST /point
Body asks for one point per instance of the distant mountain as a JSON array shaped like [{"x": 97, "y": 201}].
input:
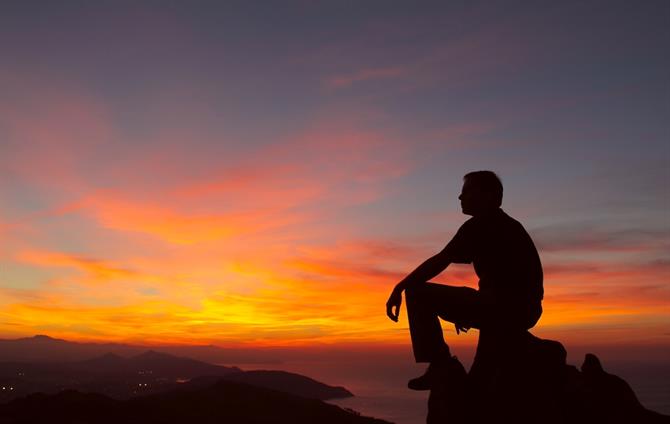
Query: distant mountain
[
  {"x": 108, "y": 374},
  {"x": 289, "y": 383},
  {"x": 148, "y": 372},
  {"x": 223, "y": 402},
  {"x": 43, "y": 348},
  {"x": 151, "y": 363}
]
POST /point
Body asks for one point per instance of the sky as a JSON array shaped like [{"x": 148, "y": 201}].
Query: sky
[{"x": 263, "y": 173}]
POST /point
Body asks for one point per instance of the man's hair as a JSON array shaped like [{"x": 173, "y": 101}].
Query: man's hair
[{"x": 488, "y": 182}]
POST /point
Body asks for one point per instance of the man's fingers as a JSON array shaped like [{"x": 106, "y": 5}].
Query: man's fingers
[
  {"x": 393, "y": 306},
  {"x": 391, "y": 313}
]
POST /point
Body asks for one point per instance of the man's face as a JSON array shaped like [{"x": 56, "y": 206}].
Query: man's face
[{"x": 472, "y": 199}]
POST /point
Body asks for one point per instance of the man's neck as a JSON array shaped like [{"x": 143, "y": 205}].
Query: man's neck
[{"x": 487, "y": 212}]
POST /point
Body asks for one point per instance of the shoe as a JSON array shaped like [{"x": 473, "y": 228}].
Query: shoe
[
  {"x": 423, "y": 382},
  {"x": 441, "y": 369}
]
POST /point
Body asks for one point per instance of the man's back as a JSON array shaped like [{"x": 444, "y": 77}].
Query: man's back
[{"x": 503, "y": 255}]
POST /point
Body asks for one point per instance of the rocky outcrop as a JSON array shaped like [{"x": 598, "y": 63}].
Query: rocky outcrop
[
  {"x": 593, "y": 395},
  {"x": 533, "y": 383}
]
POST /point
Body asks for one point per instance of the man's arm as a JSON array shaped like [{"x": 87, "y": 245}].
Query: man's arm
[
  {"x": 430, "y": 268},
  {"x": 424, "y": 272}
]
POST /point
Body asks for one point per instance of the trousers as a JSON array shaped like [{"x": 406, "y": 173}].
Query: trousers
[{"x": 495, "y": 317}]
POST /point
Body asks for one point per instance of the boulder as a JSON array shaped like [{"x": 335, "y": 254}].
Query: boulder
[{"x": 531, "y": 382}]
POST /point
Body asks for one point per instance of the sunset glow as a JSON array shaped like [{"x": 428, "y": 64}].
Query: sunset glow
[{"x": 198, "y": 176}]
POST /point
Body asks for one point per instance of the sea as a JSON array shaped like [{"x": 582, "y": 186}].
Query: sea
[{"x": 380, "y": 387}]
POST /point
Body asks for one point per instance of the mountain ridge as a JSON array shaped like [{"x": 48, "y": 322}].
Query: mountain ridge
[
  {"x": 147, "y": 372},
  {"x": 44, "y": 348}
]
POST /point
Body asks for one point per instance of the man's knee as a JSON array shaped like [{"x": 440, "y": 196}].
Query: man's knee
[
  {"x": 421, "y": 292},
  {"x": 414, "y": 293},
  {"x": 418, "y": 287}
]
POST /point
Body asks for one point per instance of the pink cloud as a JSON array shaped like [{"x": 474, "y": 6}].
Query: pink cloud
[{"x": 51, "y": 129}]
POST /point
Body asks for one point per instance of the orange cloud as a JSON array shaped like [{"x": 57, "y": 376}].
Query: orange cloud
[
  {"x": 179, "y": 226},
  {"x": 99, "y": 270}
]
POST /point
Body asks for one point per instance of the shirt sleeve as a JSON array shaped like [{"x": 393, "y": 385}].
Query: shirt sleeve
[{"x": 460, "y": 249}]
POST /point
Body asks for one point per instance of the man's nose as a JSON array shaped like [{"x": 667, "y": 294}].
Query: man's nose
[{"x": 460, "y": 197}]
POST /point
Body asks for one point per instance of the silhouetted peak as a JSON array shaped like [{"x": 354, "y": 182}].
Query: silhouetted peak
[
  {"x": 44, "y": 338},
  {"x": 592, "y": 365}
]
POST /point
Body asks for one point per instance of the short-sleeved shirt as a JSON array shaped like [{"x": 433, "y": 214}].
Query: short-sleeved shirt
[{"x": 503, "y": 255}]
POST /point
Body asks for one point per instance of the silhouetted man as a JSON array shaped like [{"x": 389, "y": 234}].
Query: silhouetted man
[{"x": 509, "y": 299}]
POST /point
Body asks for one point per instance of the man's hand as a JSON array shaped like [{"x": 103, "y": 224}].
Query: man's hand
[{"x": 395, "y": 300}]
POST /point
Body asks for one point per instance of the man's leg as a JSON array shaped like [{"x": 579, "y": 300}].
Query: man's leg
[{"x": 426, "y": 302}]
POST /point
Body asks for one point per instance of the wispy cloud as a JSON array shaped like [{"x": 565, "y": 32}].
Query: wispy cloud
[
  {"x": 44, "y": 122},
  {"x": 593, "y": 238},
  {"x": 364, "y": 75},
  {"x": 94, "y": 268}
]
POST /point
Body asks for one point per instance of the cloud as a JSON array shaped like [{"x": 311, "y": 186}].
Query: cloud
[
  {"x": 51, "y": 129},
  {"x": 181, "y": 224},
  {"x": 316, "y": 269},
  {"x": 95, "y": 268},
  {"x": 632, "y": 269},
  {"x": 283, "y": 185},
  {"x": 97, "y": 281},
  {"x": 364, "y": 75},
  {"x": 582, "y": 237}
]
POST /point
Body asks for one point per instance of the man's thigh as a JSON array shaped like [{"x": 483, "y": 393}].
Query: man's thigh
[{"x": 461, "y": 305}]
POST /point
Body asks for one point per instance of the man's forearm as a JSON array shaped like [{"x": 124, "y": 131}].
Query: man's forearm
[{"x": 424, "y": 272}]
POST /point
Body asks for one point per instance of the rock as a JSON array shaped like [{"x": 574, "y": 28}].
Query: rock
[
  {"x": 594, "y": 395},
  {"x": 447, "y": 398},
  {"x": 533, "y": 383}
]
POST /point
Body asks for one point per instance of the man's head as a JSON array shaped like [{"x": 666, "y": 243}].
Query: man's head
[{"x": 482, "y": 192}]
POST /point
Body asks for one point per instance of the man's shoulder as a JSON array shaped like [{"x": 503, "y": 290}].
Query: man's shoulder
[
  {"x": 492, "y": 217},
  {"x": 502, "y": 216},
  {"x": 495, "y": 221}
]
